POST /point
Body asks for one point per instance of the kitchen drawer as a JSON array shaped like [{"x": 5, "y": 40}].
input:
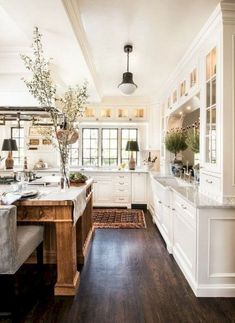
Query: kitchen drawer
[
  {"x": 185, "y": 209},
  {"x": 122, "y": 186},
  {"x": 126, "y": 179},
  {"x": 121, "y": 191},
  {"x": 210, "y": 185},
  {"x": 121, "y": 199}
]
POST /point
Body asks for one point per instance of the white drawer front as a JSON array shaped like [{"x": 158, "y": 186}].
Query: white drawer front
[
  {"x": 185, "y": 209},
  {"x": 122, "y": 179},
  {"x": 121, "y": 199},
  {"x": 121, "y": 191},
  {"x": 210, "y": 185}
]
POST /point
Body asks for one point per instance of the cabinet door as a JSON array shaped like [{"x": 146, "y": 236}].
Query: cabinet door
[
  {"x": 166, "y": 220},
  {"x": 184, "y": 245},
  {"x": 103, "y": 192},
  {"x": 139, "y": 188},
  {"x": 210, "y": 111}
]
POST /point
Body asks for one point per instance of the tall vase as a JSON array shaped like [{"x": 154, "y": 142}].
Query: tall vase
[{"x": 64, "y": 169}]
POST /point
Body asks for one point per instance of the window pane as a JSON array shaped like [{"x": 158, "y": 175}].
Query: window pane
[
  {"x": 18, "y": 134},
  {"x": 127, "y": 134},
  {"x": 90, "y": 146},
  {"x": 109, "y": 145}
]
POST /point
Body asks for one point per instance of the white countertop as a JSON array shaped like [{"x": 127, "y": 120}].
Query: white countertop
[
  {"x": 192, "y": 195},
  {"x": 94, "y": 170}
]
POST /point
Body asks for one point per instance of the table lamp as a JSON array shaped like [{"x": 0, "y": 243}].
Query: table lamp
[
  {"x": 131, "y": 146},
  {"x": 9, "y": 145}
]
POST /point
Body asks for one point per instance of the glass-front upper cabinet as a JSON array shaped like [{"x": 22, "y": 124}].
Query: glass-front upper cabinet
[{"x": 211, "y": 117}]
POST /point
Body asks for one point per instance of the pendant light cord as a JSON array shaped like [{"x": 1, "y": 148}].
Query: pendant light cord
[{"x": 128, "y": 61}]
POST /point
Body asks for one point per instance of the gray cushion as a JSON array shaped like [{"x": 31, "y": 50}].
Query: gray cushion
[
  {"x": 17, "y": 243},
  {"x": 8, "y": 241}
]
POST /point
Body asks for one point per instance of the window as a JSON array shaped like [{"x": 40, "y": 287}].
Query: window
[
  {"x": 18, "y": 134},
  {"x": 74, "y": 154},
  {"x": 127, "y": 134},
  {"x": 105, "y": 146},
  {"x": 109, "y": 147},
  {"x": 90, "y": 146}
]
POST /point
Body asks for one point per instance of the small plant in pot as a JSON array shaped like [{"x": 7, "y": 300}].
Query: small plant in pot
[{"x": 175, "y": 142}]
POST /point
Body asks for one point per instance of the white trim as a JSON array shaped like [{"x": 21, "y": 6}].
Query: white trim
[{"x": 73, "y": 12}]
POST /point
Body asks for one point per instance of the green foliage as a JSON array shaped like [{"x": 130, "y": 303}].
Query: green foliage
[
  {"x": 193, "y": 141},
  {"x": 175, "y": 141},
  {"x": 42, "y": 87}
]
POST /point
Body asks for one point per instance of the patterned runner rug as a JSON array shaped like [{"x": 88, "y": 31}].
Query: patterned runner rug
[{"x": 118, "y": 219}]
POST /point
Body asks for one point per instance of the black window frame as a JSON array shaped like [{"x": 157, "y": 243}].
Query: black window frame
[
  {"x": 102, "y": 158},
  {"x": 90, "y": 128}
]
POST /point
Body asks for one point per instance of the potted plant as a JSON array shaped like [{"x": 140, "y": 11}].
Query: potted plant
[
  {"x": 193, "y": 141},
  {"x": 175, "y": 142}
]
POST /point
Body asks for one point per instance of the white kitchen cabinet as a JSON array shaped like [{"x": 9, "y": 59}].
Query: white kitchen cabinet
[
  {"x": 184, "y": 241},
  {"x": 199, "y": 233},
  {"x": 103, "y": 190},
  {"x": 162, "y": 213},
  {"x": 139, "y": 188},
  {"x": 111, "y": 189}
]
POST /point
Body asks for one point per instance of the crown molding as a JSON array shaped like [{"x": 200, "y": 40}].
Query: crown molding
[
  {"x": 72, "y": 10},
  {"x": 228, "y": 13}
]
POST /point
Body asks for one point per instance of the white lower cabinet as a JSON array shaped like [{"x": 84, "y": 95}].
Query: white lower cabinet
[
  {"x": 119, "y": 189},
  {"x": 184, "y": 244},
  {"x": 200, "y": 238},
  {"x": 103, "y": 190},
  {"x": 162, "y": 210},
  {"x": 139, "y": 188}
]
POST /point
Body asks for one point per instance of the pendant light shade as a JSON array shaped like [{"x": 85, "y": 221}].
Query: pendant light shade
[{"x": 127, "y": 86}]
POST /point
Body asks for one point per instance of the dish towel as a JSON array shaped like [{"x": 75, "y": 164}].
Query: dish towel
[{"x": 10, "y": 198}]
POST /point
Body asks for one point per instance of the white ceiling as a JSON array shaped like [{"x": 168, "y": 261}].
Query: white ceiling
[
  {"x": 160, "y": 32},
  {"x": 87, "y": 42}
]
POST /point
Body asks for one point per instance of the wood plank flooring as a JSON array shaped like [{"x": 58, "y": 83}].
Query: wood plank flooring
[{"x": 129, "y": 278}]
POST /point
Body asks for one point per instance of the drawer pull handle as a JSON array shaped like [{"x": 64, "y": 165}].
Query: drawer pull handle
[
  {"x": 209, "y": 182},
  {"x": 183, "y": 207},
  {"x": 121, "y": 183},
  {"x": 121, "y": 176},
  {"x": 173, "y": 209},
  {"x": 120, "y": 199},
  {"x": 121, "y": 190}
]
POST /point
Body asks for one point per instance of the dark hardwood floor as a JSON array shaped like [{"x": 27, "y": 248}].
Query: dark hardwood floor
[{"x": 128, "y": 278}]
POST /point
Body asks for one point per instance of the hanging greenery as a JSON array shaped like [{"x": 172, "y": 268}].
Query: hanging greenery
[{"x": 175, "y": 141}]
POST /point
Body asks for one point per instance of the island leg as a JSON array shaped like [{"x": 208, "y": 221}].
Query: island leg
[{"x": 67, "y": 274}]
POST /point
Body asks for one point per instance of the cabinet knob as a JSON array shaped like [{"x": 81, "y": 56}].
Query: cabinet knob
[
  {"x": 160, "y": 202},
  {"x": 209, "y": 182},
  {"x": 183, "y": 207}
]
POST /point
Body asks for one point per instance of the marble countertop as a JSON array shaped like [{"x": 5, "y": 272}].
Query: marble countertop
[
  {"x": 192, "y": 195},
  {"x": 95, "y": 170}
]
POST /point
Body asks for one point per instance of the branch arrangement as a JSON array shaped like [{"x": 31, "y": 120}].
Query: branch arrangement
[{"x": 64, "y": 111}]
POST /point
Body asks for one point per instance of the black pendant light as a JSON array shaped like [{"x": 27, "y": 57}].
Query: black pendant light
[{"x": 127, "y": 86}]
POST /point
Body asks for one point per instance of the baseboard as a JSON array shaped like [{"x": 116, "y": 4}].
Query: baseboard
[
  {"x": 215, "y": 290},
  {"x": 139, "y": 206}
]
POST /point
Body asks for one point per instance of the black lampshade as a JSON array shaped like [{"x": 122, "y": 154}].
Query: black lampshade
[
  {"x": 132, "y": 145},
  {"x": 9, "y": 145}
]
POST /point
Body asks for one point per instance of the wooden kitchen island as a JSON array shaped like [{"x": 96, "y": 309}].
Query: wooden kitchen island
[{"x": 67, "y": 233}]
